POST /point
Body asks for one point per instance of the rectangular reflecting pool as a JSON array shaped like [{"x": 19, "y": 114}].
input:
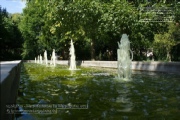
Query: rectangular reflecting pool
[{"x": 56, "y": 93}]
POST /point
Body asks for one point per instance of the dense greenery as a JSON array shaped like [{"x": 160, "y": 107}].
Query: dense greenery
[
  {"x": 10, "y": 36},
  {"x": 95, "y": 27}
]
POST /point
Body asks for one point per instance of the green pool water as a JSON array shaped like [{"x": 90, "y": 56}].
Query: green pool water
[{"x": 96, "y": 94}]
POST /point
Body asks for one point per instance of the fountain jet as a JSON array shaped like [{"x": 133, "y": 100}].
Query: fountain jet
[
  {"x": 72, "y": 57},
  {"x": 45, "y": 57},
  {"x": 40, "y": 59},
  {"x": 35, "y": 60},
  {"x": 53, "y": 58},
  {"x": 124, "y": 61}
]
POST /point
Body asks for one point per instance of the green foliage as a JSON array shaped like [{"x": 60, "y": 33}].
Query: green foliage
[
  {"x": 94, "y": 25},
  {"x": 11, "y": 39},
  {"x": 165, "y": 41},
  {"x": 30, "y": 27}
]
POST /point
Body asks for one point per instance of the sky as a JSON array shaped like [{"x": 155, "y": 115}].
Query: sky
[{"x": 13, "y": 6}]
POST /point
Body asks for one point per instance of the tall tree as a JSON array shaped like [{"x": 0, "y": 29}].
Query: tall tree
[
  {"x": 11, "y": 39},
  {"x": 30, "y": 27}
]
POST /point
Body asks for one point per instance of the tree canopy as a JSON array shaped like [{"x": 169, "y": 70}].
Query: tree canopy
[
  {"x": 10, "y": 35},
  {"x": 96, "y": 26}
]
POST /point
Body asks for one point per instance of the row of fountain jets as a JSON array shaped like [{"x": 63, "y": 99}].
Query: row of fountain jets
[
  {"x": 123, "y": 58},
  {"x": 44, "y": 60}
]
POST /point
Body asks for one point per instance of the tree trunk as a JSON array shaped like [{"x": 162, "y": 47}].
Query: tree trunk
[{"x": 92, "y": 50}]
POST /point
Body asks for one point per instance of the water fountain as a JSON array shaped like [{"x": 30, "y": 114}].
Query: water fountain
[
  {"x": 40, "y": 59},
  {"x": 45, "y": 57},
  {"x": 53, "y": 58},
  {"x": 72, "y": 57},
  {"x": 124, "y": 61},
  {"x": 35, "y": 60},
  {"x": 149, "y": 95}
]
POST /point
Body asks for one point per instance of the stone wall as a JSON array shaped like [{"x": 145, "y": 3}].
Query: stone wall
[
  {"x": 171, "y": 67},
  {"x": 10, "y": 76}
]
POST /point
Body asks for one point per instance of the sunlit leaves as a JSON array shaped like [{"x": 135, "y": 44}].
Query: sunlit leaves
[
  {"x": 51, "y": 24},
  {"x": 165, "y": 41}
]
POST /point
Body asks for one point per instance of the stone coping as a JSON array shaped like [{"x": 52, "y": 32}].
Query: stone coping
[{"x": 6, "y": 67}]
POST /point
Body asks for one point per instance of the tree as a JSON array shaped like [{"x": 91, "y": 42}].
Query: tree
[
  {"x": 165, "y": 41},
  {"x": 30, "y": 27},
  {"x": 11, "y": 38},
  {"x": 94, "y": 25}
]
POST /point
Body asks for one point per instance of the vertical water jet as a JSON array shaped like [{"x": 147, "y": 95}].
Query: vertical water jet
[
  {"x": 124, "y": 60},
  {"x": 72, "y": 57},
  {"x": 45, "y": 57}
]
